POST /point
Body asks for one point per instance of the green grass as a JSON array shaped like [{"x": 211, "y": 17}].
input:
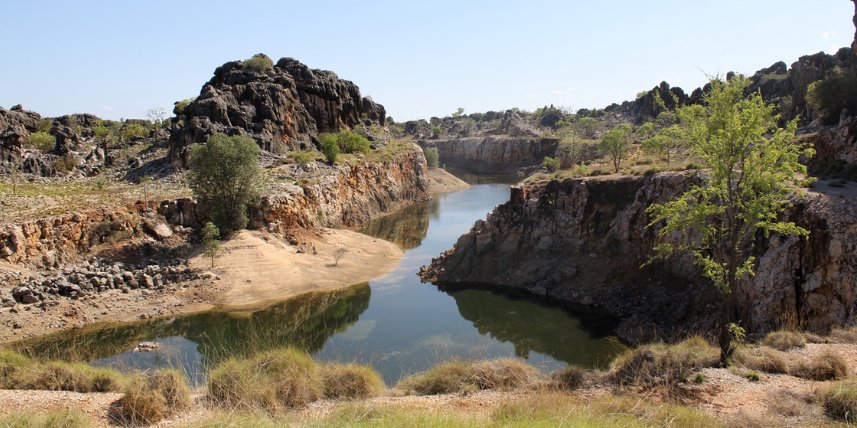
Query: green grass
[
  {"x": 840, "y": 401},
  {"x": 55, "y": 419},
  {"x": 20, "y": 372},
  {"x": 351, "y": 381}
]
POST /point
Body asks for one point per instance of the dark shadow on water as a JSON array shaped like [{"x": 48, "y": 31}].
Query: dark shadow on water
[{"x": 407, "y": 227}]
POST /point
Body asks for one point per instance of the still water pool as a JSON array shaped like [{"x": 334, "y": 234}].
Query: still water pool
[{"x": 394, "y": 323}]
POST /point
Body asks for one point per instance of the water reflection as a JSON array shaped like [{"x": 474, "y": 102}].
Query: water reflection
[
  {"x": 199, "y": 341},
  {"x": 407, "y": 227}
]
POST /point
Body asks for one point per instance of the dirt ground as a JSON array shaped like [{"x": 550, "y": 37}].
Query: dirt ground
[{"x": 441, "y": 181}]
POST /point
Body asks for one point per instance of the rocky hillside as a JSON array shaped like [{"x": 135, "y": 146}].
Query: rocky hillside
[
  {"x": 492, "y": 154},
  {"x": 283, "y": 107},
  {"x": 584, "y": 241}
]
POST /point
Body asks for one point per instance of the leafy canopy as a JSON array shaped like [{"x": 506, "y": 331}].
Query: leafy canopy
[
  {"x": 752, "y": 167},
  {"x": 615, "y": 144},
  {"x": 225, "y": 176}
]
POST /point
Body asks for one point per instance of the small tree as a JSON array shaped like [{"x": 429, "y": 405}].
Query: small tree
[
  {"x": 145, "y": 181},
  {"x": 432, "y": 157},
  {"x": 42, "y": 141},
  {"x": 338, "y": 254},
  {"x": 211, "y": 242},
  {"x": 134, "y": 130},
  {"x": 225, "y": 176},
  {"x": 156, "y": 115},
  {"x": 258, "y": 63},
  {"x": 752, "y": 167},
  {"x": 550, "y": 163},
  {"x": 588, "y": 127},
  {"x": 458, "y": 112},
  {"x": 16, "y": 176},
  {"x": 330, "y": 147},
  {"x": 665, "y": 142},
  {"x": 615, "y": 144}
]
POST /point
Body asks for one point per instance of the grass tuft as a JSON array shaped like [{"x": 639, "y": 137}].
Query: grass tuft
[
  {"x": 840, "y": 401},
  {"x": 761, "y": 358},
  {"x": 826, "y": 366},
  {"x": 569, "y": 378},
  {"x": 459, "y": 377},
  {"x": 271, "y": 381},
  {"x": 784, "y": 340},
  {"x": 663, "y": 366},
  {"x": 351, "y": 381},
  {"x": 152, "y": 396},
  {"x": 56, "y": 419}
]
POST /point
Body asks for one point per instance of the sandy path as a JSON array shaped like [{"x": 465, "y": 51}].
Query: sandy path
[{"x": 258, "y": 268}]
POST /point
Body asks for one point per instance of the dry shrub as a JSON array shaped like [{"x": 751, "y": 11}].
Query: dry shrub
[
  {"x": 569, "y": 378},
  {"x": 814, "y": 338},
  {"x": 762, "y": 359},
  {"x": 351, "y": 381},
  {"x": 152, "y": 396},
  {"x": 12, "y": 369},
  {"x": 784, "y": 340},
  {"x": 840, "y": 401},
  {"x": 78, "y": 377},
  {"x": 663, "y": 366},
  {"x": 458, "y": 376},
  {"x": 826, "y": 366},
  {"x": 270, "y": 381},
  {"x": 788, "y": 403}
]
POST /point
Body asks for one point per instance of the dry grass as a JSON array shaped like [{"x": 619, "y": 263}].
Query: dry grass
[
  {"x": 784, "y": 340},
  {"x": 459, "y": 376},
  {"x": 826, "y": 366},
  {"x": 152, "y": 396},
  {"x": 664, "y": 367},
  {"x": 761, "y": 358},
  {"x": 271, "y": 381},
  {"x": 840, "y": 401},
  {"x": 788, "y": 403},
  {"x": 56, "y": 419},
  {"x": 844, "y": 335},
  {"x": 569, "y": 378},
  {"x": 351, "y": 381}
]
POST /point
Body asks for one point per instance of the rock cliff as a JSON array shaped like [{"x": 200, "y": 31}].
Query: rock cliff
[
  {"x": 584, "y": 240},
  {"x": 493, "y": 154},
  {"x": 282, "y": 108},
  {"x": 340, "y": 196}
]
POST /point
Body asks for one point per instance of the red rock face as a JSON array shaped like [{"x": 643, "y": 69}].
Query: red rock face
[{"x": 284, "y": 108}]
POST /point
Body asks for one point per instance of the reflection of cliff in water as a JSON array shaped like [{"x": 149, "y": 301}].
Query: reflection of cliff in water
[
  {"x": 306, "y": 321},
  {"x": 534, "y": 327},
  {"x": 407, "y": 227}
]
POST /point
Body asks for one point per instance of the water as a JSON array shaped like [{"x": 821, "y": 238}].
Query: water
[{"x": 394, "y": 323}]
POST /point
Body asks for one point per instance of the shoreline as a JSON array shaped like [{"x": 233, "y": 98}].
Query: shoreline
[{"x": 239, "y": 282}]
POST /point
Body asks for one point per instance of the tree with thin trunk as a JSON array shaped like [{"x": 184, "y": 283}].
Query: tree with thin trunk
[
  {"x": 211, "y": 242},
  {"x": 615, "y": 144},
  {"x": 338, "y": 254},
  {"x": 751, "y": 167}
]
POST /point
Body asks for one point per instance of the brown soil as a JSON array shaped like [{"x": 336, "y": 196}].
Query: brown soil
[{"x": 441, "y": 181}]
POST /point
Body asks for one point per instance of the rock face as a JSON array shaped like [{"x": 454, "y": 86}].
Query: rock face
[
  {"x": 15, "y": 126},
  {"x": 584, "y": 240},
  {"x": 493, "y": 154},
  {"x": 283, "y": 108}
]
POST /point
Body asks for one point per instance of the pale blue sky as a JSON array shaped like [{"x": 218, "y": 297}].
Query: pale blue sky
[{"x": 420, "y": 59}]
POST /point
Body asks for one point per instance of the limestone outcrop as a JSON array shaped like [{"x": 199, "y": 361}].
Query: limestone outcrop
[
  {"x": 283, "y": 108},
  {"x": 584, "y": 241}
]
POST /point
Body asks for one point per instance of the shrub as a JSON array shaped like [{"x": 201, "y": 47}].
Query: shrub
[
  {"x": 833, "y": 94},
  {"x": 349, "y": 142},
  {"x": 225, "y": 176},
  {"x": 550, "y": 163},
  {"x": 784, "y": 340},
  {"x": 569, "y": 378},
  {"x": 458, "y": 376},
  {"x": 258, "y": 63},
  {"x": 270, "y": 381},
  {"x": 844, "y": 335},
  {"x": 134, "y": 130},
  {"x": 42, "y": 141},
  {"x": 62, "y": 376},
  {"x": 181, "y": 105},
  {"x": 840, "y": 401},
  {"x": 826, "y": 366},
  {"x": 432, "y": 157},
  {"x": 303, "y": 157},
  {"x": 152, "y": 396},
  {"x": 330, "y": 147},
  {"x": 65, "y": 163},
  {"x": 350, "y": 381},
  {"x": 13, "y": 367},
  {"x": 761, "y": 358}
]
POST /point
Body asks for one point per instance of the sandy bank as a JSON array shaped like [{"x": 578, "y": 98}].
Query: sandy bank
[
  {"x": 259, "y": 268},
  {"x": 441, "y": 181}
]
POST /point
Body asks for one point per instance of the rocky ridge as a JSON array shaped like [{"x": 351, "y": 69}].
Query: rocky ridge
[
  {"x": 584, "y": 241},
  {"x": 493, "y": 154},
  {"x": 283, "y": 108}
]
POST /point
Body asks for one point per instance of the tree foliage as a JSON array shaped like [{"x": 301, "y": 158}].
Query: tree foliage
[
  {"x": 550, "y": 163},
  {"x": 42, "y": 141},
  {"x": 751, "y": 168},
  {"x": 330, "y": 147},
  {"x": 615, "y": 144},
  {"x": 588, "y": 127},
  {"x": 664, "y": 143},
  {"x": 432, "y": 157},
  {"x": 832, "y": 95},
  {"x": 225, "y": 176},
  {"x": 134, "y": 130}
]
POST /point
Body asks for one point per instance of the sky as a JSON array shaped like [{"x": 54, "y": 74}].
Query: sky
[{"x": 118, "y": 59}]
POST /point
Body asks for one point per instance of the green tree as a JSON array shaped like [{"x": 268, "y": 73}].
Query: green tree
[
  {"x": 350, "y": 142},
  {"x": 42, "y": 141},
  {"x": 134, "y": 130},
  {"x": 458, "y": 112},
  {"x": 550, "y": 163},
  {"x": 181, "y": 105},
  {"x": 664, "y": 143},
  {"x": 432, "y": 157},
  {"x": 833, "y": 94},
  {"x": 225, "y": 177},
  {"x": 588, "y": 126},
  {"x": 751, "y": 168},
  {"x": 330, "y": 147},
  {"x": 211, "y": 241},
  {"x": 615, "y": 144},
  {"x": 100, "y": 132},
  {"x": 258, "y": 63}
]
